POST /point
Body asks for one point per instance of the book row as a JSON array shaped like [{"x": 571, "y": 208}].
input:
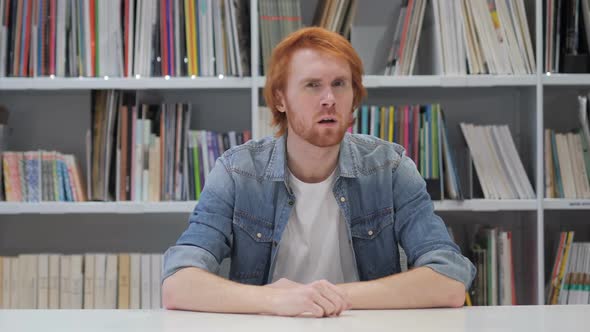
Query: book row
[
  {"x": 569, "y": 282},
  {"x": 124, "y": 38},
  {"x": 81, "y": 281}
]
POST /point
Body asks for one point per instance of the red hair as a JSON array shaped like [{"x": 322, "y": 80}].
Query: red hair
[{"x": 318, "y": 39}]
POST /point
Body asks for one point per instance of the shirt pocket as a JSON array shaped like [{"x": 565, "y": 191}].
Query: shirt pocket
[
  {"x": 371, "y": 226},
  {"x": 251, "y": 249},
  {"x": 374, "y": 244},
  {"x": 258, "y": 229}
]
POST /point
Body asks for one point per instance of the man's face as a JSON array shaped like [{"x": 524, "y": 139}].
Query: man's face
[{"x": 318, "y": 97}]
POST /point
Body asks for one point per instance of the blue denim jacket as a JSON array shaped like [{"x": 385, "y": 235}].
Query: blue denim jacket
[{"x": 246, "y": 203}]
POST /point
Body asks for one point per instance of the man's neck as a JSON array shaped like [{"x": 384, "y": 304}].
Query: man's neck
[{"x": 310, "y": 163}]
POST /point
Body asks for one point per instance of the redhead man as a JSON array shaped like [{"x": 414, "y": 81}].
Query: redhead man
[{"x": 312, "y": 218}]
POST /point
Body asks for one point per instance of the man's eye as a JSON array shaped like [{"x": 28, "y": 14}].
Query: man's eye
[
  {"x": 339, "y": 83},
  {"x": 313, "y": 84}
]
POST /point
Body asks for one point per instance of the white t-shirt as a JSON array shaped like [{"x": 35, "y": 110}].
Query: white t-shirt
[{"x": 315, "y": 245}]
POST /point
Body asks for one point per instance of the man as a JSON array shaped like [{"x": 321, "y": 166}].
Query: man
[{"x": 312, "y": 219}]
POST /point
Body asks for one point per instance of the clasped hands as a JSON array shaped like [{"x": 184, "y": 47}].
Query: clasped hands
[{"x": 319, "y": 299}]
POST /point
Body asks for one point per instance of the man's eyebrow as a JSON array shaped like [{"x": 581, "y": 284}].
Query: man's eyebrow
[
  {"x": 307, "y": 79},
  {"x": 341, "y": 77},
  {"x": 314, "y": 79}
]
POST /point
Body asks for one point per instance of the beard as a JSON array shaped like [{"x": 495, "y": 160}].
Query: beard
[{"x": 316, "y": 134}]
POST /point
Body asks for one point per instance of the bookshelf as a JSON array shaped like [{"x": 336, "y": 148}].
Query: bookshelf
[
  {"x": 160, "y": 83},
  {"x": 566, "y": 204},
  {"x": 60, "y": 109},
  {"x": 48, "y": 208},
  {"x": 126, "y": 207},
  {"x": 565, "y": 79},
  {"x": 425, "y": 81}
]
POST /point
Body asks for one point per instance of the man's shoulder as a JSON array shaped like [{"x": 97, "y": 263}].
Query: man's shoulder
[
  {"x": 252, "y": 156},
  {"x": 372, "y": 152}
]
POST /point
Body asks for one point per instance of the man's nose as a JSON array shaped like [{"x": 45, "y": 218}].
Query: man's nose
[{"x": 328, "y": 99}]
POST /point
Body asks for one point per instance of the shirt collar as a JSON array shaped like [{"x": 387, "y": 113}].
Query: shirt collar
[{"x": 276, "y": 169}]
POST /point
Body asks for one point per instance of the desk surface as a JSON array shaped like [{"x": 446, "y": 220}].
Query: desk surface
[{"x": 518, "y": 318}]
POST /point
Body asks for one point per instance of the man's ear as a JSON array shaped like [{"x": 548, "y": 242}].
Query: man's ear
[{"x": 280, "y": 102}]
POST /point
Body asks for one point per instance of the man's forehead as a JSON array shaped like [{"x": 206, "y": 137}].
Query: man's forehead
[
  {"x": 307, "y": 53},
  {"x": 306, "y": 68}
]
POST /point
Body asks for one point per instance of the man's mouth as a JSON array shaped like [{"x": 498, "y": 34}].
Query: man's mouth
[{"x": 327, "y": 120}]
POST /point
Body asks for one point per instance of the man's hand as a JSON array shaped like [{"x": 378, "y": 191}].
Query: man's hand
[{"x": 319, "y": 298}]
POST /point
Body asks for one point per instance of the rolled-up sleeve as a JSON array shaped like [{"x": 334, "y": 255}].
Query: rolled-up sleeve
[
  {"x": 207, "y": 240},
  {"x": 449, "y": 263},
  {"x": 421, "y": 233},
  {"x": 180, "y": 256}
]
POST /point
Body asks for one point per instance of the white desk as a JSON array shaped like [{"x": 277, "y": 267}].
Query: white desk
[{"x": 520, "y": 318}]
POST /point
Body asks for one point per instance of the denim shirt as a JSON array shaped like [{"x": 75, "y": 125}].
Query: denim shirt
[{"x": 246, "y": 203}]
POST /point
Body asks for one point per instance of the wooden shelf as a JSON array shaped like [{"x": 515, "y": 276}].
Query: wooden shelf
[
  {"x": 188, "y": 206},
  {"x": 566, "y": 204},
  {"x": 486, "y": 205},
  {"x": 566, "y": 79},
  {"x": 89, "y": 83},
  {"x": 448, "y": 81},
  {"x": 97, "y": 207},
  {"x": 429, "y": 81}
]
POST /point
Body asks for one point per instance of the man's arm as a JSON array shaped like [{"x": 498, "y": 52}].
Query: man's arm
[
  {"x": 418, "y": 288},
  {"x": 440, "y": 274},
  {"x": 197, "y": 290}
]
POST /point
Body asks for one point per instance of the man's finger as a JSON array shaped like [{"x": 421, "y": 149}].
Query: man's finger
[
  {"x": 338, "y": 302},
  {"x": 345, "y": 301},
  {"x": 328, "y": 305},
  {"x": 316, "y": 310}
]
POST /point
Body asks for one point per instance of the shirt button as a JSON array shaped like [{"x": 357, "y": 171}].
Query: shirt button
[
  {"x": 291, "y": 202},
  {"x": 370, "y": 233},
  {"x": 259, "y": 235},
  {"x": 342, "y": 199}
]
